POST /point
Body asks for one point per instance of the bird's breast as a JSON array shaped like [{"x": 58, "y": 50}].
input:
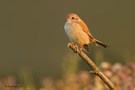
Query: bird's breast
[{"x": 76, "y": 34}]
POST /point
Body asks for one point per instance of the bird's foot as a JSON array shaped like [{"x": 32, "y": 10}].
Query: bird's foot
[{"x": 77, "y": 49}]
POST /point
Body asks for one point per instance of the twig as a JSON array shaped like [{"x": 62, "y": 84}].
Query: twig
[{"x": 93, "y": 66}]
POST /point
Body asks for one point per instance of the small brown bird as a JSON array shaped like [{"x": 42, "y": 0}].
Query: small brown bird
[{"x": 79, "y": 33}]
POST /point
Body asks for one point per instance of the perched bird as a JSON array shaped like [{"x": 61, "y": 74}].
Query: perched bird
[{"x": 78, "y": 32}]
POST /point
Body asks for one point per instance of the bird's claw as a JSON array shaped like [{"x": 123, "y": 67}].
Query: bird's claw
[{"x": 77, "y": 49}]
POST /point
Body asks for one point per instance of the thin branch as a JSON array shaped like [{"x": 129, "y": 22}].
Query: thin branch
[{"x": 92, "y": 65}]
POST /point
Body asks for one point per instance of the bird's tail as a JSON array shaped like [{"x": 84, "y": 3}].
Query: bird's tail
[{"x": 97, "y": 42}]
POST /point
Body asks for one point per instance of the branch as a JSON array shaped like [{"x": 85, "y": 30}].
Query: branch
[{"x": 92, "y": 65}]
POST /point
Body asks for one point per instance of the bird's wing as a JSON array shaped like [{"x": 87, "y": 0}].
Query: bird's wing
[{"x": 85, "y": 29}]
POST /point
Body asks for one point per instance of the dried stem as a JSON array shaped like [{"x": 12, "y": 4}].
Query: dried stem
[{"x": 92, "y": 65}]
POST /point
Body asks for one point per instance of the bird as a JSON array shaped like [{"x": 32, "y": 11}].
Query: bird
[{"x": 79, "y": 33}]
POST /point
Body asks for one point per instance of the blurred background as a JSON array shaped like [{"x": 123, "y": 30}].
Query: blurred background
[{"x": 33, "y": 40}]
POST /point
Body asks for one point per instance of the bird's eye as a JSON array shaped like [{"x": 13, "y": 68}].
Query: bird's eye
[{"x": 73, "y": 18}]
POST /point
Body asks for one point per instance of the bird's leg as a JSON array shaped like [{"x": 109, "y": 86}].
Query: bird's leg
[{"x": 78, "y": 49}]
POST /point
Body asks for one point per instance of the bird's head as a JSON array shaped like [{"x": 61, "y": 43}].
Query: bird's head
[{"x": 72, "y": 17}]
